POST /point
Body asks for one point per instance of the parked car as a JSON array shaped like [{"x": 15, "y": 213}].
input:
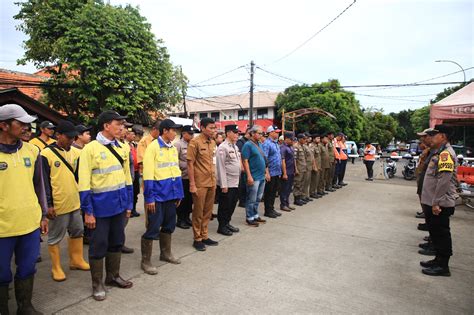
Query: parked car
[
  {"x": 390, "y": 148},
  {"x": 351, "y": 147},
  {"x": 414, "y": 147}
]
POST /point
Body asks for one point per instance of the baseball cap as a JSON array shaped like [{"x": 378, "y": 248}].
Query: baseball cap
[
  {"x": 289, "y": 134},
  {"x": 67, "y": 128},
  {"x": 273, "y": 129},
  {"x": 47, "y": 124},
  {"x": 14, "y": 111},
  {"x": 169, "y": 124},
  {"x": 301, "y": 136},
  {"x": 109, "y": 115},
  {"x": 425, "y": 132},
  {"x": 188, "y": 129},
  {"x": 81, "y": 129},
  {"x": 233, "y": 128},
  {"x": 441, "y": 129}
]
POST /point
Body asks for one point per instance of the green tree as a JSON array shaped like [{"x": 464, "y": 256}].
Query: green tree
[
  {"x": 379, "y": 127},
  {"x": 405, "y": 130},
  {"x": 420, "y": 119},
  {"x": 100, "y": 56},
  {"x": 328, "y": 96}
]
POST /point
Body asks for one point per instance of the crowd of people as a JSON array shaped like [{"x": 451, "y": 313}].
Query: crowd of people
[{"x": 60, "y": 182}]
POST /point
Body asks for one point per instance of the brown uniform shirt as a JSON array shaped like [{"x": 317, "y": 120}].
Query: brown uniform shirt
[
  {"x": 317, "y": 155},
  {"x": 300, "y": 158},
  {"x": 142, "y": 145},
  {"x": 324, "y": 156},
  {"x": 202, "y": 153},
  {"x": 330, "y": 148},
  {"x": 309, "y": 156}
]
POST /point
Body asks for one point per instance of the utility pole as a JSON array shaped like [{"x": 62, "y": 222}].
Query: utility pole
[
  {"x": 252, "y": 65},
  {"x": 184, "y": 104}
]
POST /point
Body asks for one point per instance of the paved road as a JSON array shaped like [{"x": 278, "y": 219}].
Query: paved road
[{"x": 354, "y": 251}]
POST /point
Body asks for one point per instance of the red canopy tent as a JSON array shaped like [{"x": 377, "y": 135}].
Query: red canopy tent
[{"x": 456, "y": 109}]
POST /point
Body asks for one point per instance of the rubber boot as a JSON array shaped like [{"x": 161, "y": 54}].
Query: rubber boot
[
  {"x": 76, "y": 255},
  {"x": 112, "y": 269},
  {"x": 147, "y": 249},
  {"x": 23, "y": 294},
  {"x": 165, "y": 247},
  {"x": 4, "y": 300},
  {"x": 56, "y": 270},
  {"x": 97, "y": 274}
]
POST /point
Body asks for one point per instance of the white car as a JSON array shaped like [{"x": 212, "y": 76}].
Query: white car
[{"x": 351, "y": 147}]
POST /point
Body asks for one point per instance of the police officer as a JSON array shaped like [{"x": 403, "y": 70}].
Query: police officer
[
  {"x": 309, "y": 155},
  {"x": 60, "y": 165},
  {"x": 163, "y": 192},
  {"x": 22, "y": 210},
  {"x": 332, "y": 162},
  {"x": 300, "y": 170},
  {"x": 185, "y": 207},
  {"x": 229, "y": 166},
  {"x": 325, "y": 166},
  {"x": 316, "y": 171},
  {"x": 106, "y": 192},
  {"x": 438, "y": 195}
]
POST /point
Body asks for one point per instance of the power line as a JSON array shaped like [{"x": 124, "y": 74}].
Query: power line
[
  {"x": 221, "y": 83},
  {"x": 280, "y": 76},
  {"x": 392, "y": 98},
  {"x": 313, "y": 36},
  {"x": 222, "y": 74}
]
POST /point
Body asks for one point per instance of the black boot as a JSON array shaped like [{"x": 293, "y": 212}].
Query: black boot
[
  {"x": 440, "y": 268},
  {"x": 4, "y": 300},
  {"x": 97, "y": 275},
  {"x": 23, "y": 295},
  {"x": 112, "y": 268}
]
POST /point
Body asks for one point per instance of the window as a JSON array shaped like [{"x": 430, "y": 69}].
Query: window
[
  {"x": 202, "y": 115},
  {"x": 262, "y": 113},
  {"x": 243, "y": 115},
  {"x": 215, "y": 116}
]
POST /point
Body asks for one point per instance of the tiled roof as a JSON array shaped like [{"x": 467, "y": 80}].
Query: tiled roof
[{"x": 25, "y": 82}]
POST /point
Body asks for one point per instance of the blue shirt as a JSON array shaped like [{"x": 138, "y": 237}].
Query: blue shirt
[
  {"x": 288, "y": 154},
  {"x": 256, "y": 160},
  {"x": 272, "y": 152}
]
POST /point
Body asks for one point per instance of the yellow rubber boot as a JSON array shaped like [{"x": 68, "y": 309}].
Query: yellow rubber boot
[
  {"x": 76, "y": 258},
  {"x": 57, "y": 270}
]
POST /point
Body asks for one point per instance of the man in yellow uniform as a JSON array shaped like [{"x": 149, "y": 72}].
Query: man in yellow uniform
[
  {"x": 106, "y": 192},
  {"x": 201, "y": 158},
  {"x": 59, "y": 167},
  {"x": 22, "y": 208},
  {"x": 46, "y": 136},
  {"x": 163, "y": 192}
]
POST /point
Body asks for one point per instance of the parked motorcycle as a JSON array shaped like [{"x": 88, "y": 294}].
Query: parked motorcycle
[
  {"x": 390, "y": 167},
  {"x": 466, "y": 193},
  {"x": 409, "y": 169}
]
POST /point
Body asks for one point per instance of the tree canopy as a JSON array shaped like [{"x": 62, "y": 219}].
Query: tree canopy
[{"x": 99, "y": 56}]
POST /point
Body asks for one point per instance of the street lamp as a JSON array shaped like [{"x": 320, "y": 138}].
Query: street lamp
[{"x": 464, "y": 73}]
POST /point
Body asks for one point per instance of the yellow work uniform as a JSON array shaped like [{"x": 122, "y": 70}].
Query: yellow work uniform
[
  {"x": 40, "y": 143},
  {"x": 64, "y": 188}
]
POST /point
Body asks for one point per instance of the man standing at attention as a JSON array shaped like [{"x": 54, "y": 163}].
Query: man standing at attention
[
  {"x": 228, "y": 174},
  {"x": 106, "y": 192},
  {"x": 300, "y": 170},
  {"x": 273, "y": 155},
  {"x": 202, "y": 181},
  {"x": 256, "y": 173},
  {"x": 288, "y": 170}
]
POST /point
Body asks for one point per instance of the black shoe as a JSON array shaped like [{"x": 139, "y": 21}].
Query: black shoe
[
  {"x": 134, "y": 214},
  {"x": 343, "y": 184},
  {"x": 199, "y": 246},
  {"x": 437, "y": 271},
  {"x": 252, "y": 223},
  {"x": 298, "y": 202},
  {"x": 331, "y": 190},
  {"x": 419, "y": 212},
  {"x": 427, "y": 252},
  {"x": 224, "y": 231},
  {"x": 210, "y": 242},
  {"x": 39, "y": 259},
  {"x": 423, "y": 227},
  {"x": 233, "y": 228},
  {"x": 182, "y": 225},
  {"x": 278, "y": 214},
  {"x": 426, "y": 239},
  {"x": 426, "y": 245},
  {"x": 271, "y": 215},
  {"x": 241, "y": 204},
  {"x": 127, "y": 250},
  {"x": 309, "y": 199},
  {"x": 429, "y": 263},
  {"x": 336, "y": 186},
  {"x": 420, "y": 216},
  {"x": 188, "y": 221}
]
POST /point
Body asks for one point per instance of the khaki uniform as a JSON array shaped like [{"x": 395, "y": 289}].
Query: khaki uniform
[
  {"x": 309, "y": 155},
  {"x": 202, "y": 154},
  {"x": 141, "y": 148},
  {"x": 300, "y": 162},
  {"x": 325, "y": 167},
  {"x": 315, "y": 174},
  {"x": 332, "y": 167}
]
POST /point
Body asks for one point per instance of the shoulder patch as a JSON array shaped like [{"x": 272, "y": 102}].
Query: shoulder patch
[{"x": 445, "y": 162}]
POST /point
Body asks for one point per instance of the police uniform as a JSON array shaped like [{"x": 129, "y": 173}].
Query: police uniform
[
  {"x": 300, "y": 162},
  {"x": 315, "y": 173},
  {"x": 332, "y": 166},
  {"x": 439, "y": 189},
  {"x": 309, "y": 157},
  {"x": 106, "y": 192},
  {"x": 228, "y": 175},
  {"x": 22, "y": 207},
  {"x": 60, "y": 167},
  {"x": 325, "y": 168},
  {"x": 186, "y": 206}
]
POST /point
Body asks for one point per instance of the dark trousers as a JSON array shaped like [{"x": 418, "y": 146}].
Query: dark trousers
[
  {"x": 26, "y": 249},
  {"x": 286, "y": 188},
  {"x": 342, "y": 171},
  {"x": 227, "y": 204},
  {"x": 440, "y": 232},
  {"x": 269, "y": 194},
  {"x": 108, "y": 236},
  {"x": 87, "y": 232},
  {"x": 163, "y": 219},
  {"x": 242, "y": 189},
  {"x": 186, "y": 206},
  {"x": 136, "y": 190},
  {"x": 337, "y": 171},
  {"x": 369, "y": 165}
]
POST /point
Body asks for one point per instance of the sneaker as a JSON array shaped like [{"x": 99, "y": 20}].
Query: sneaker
[
  {"x": 252, "y": 223},
  {"x": 260, "y": 220},
  {"x": 198, "y": 245},
  {"x": 210, "y": 242},
  {"x": 233, "y": 228}
]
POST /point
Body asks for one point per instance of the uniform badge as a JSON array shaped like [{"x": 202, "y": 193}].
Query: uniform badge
[
  {"x": 27, "y": 161},
  {"x": 57, "y": 163},
  {"x": 3, "y": 166},
  {"x": 444, "y": 156},
  {"x": 103, "y": 155}
]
